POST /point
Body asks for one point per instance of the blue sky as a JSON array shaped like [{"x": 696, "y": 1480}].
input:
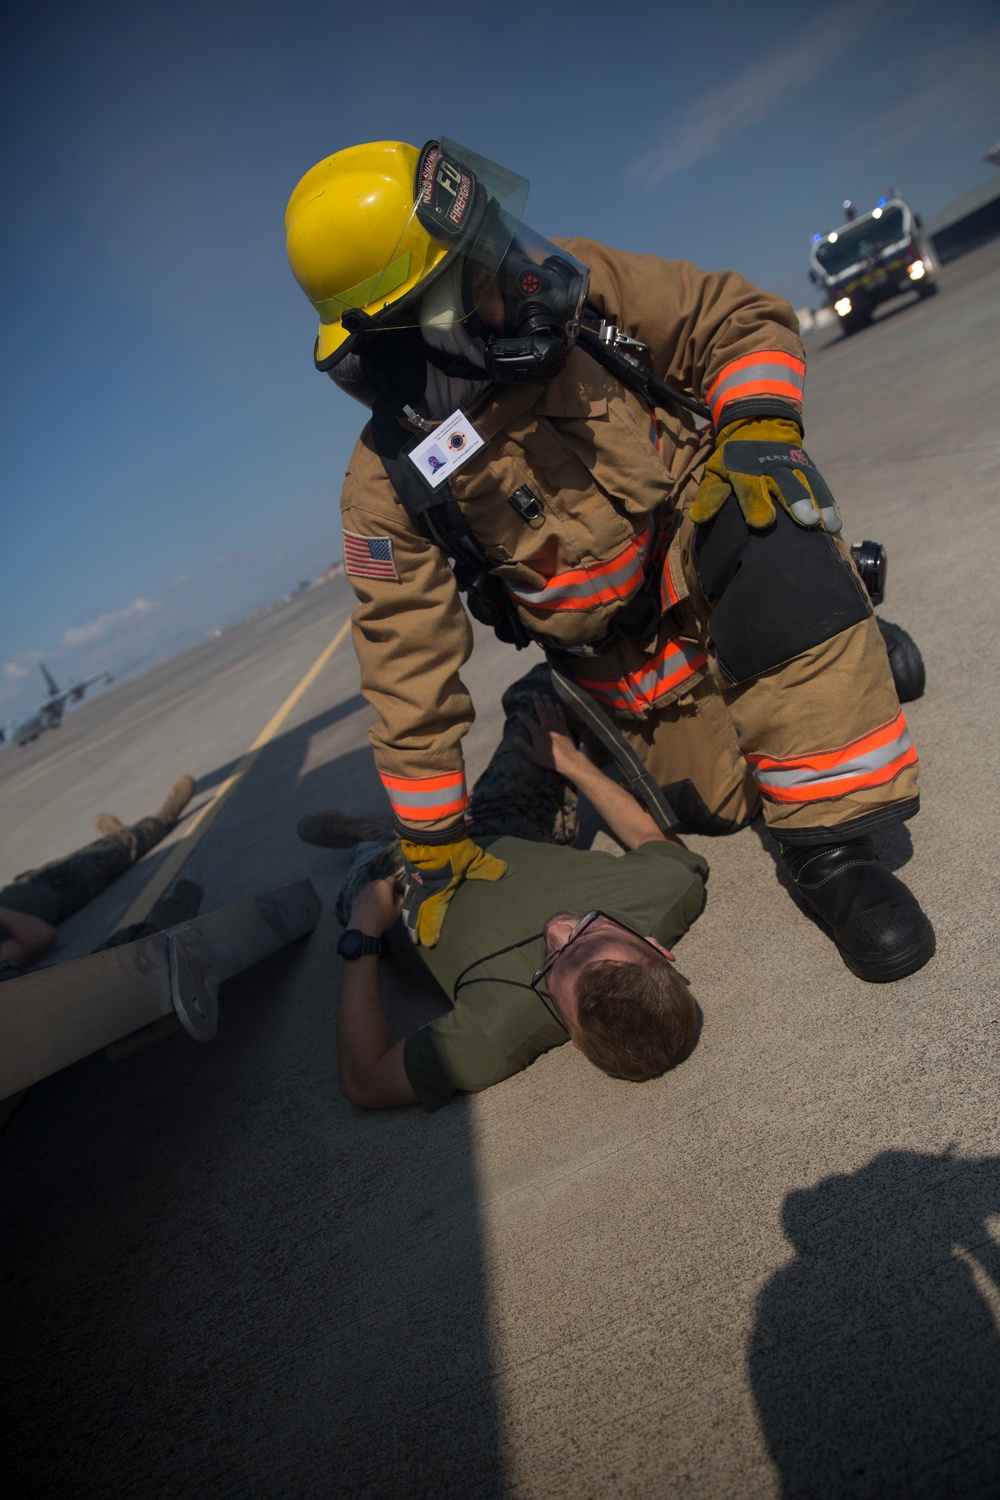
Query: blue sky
[{"x": 171, "y": 459}]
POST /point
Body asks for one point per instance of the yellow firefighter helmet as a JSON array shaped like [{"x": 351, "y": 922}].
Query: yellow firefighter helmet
[{"x": 368, "y": 228}]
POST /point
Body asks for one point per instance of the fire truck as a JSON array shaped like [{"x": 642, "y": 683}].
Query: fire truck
[{"x": 873, "y": 257}]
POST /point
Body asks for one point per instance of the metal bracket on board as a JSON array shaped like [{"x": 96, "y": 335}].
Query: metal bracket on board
[{"x": 194, "y": 982}]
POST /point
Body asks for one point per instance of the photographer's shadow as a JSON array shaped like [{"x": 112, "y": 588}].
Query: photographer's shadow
[{"x": 875, "y": 1357}]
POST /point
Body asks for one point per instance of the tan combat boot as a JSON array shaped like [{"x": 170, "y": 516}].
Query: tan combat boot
[
  {"x": 180, "y": 795},
  {"x": 107, "y": 823}
]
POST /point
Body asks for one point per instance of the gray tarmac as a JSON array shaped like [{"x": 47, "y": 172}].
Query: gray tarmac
[{"x": 775, "y": 1272}]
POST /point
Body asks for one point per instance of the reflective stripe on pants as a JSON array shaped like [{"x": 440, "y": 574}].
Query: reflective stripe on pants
[{"x": 873, "y": 760}]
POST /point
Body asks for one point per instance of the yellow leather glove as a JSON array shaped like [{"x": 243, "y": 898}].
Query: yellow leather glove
[
  {"x": 760, "y": 462},
  {"x": 432, "y": 873}
]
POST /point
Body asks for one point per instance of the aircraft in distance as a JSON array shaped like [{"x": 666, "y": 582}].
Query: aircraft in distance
[{"x": 48, "y": 714}]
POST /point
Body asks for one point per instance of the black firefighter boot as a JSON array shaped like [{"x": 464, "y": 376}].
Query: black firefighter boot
[{"x": 876, "y": 922}]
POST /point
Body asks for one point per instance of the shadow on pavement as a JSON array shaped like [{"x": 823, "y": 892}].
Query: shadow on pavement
[
  {"x": 253, "y": 846},
  {"x": 220, "y": 1278},
  {"x": 875, "y": 1359},
  {"x": 316, "y": 725}
]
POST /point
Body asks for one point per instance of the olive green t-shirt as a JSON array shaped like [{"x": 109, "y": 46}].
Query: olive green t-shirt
[{"x": 492, "y": 943}]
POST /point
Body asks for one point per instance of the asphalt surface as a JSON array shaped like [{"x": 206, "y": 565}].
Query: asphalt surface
[{"x": 774, "y": 1272}]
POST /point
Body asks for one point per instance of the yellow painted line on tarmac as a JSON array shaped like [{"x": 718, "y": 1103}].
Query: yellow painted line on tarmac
[
  {"x": 181, "y": 852},
  {"x": 126, "y": 728}
]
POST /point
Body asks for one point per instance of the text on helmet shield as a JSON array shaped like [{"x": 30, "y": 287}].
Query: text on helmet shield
[{"x": 445, "y": 192}]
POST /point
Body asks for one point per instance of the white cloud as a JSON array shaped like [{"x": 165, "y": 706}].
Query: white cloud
[
  {"x": 115, "y": 620},
  {"x": 726, "y": 111},
  {"x": 12, "y": 671}
]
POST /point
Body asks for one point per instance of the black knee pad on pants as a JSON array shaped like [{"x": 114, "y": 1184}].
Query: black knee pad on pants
[{"x": 775, "y": 593}]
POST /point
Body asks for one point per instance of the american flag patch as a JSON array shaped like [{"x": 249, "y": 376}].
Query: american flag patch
[{"x": 369, "y": 556}]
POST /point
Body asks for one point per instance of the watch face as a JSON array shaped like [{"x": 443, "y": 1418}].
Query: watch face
[
  {"x": 350, "y": 944},
  {"x": 355, "y": 944}
]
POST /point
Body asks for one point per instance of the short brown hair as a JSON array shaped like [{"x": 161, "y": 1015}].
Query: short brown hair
[{"x": 634, "y": 1020}]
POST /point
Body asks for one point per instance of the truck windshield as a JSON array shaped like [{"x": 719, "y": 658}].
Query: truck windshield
[{"x": 859, "y": 241}]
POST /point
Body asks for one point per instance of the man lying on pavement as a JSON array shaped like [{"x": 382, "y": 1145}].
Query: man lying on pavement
[
  {"x": 35, "y": 902},
  {"x": 569, "y": 945}
]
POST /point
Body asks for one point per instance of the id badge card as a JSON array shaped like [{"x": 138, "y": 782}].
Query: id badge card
[{"x": 444, "y": 451}]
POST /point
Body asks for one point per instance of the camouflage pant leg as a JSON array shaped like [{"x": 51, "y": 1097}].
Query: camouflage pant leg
[
  {"x": 85, "y": 873},
  {"x": 513, "y": 795}
]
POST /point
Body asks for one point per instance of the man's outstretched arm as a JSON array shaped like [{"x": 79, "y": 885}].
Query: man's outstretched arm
[
  {"x": 549, "y": 745},
  {"x": 371, "y": 1073}
]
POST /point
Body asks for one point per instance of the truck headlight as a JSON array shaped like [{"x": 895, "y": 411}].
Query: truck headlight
[
  {"x": 842, "y": 307},
  {"x": 917, "y": 270}
]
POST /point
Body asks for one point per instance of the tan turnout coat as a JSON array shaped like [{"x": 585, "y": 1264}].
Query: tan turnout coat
[{"x": 613, "y": 479}]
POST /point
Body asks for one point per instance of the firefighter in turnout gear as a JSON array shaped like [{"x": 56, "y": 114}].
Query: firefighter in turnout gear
[{"x": 668, "y": 540}]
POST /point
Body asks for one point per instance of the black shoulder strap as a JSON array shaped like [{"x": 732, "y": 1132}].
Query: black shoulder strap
[
  {"x": 390, "y": 440},
  {"x": 437, "y": 515},
  {"x": 637, "y": 377},
  {"x": 600, "y": 723}
]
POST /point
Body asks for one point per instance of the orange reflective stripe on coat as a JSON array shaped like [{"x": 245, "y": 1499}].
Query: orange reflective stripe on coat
[
  {"x": 661, "y": 674},
  {"x": 669, "y": 594},
  {"x": 589, "y": 587},
  {"x": 768, "y": 372},
  {"x": 425, "y": 798},
  {"x": 870, "y": 761}
]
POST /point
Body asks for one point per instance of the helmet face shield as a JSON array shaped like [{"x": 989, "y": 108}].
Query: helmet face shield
[{"x": 467, "y": 207}]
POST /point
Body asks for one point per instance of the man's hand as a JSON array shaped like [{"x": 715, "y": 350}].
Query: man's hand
[
  {"x": 377, "y": 906},
  {"x": 432, "y": 874},
  {"x": 549, "y": 744},
  {"x": 551, "y": 747},
  {"x": 761, "y": 462}
]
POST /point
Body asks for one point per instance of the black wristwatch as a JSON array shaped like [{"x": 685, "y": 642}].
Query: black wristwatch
[{"x": 355, "y": 944}]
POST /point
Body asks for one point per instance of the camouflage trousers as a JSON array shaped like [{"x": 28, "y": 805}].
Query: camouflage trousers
[
  {"x": 512, "y": 797},
  {"x": 85, "y": 873}
]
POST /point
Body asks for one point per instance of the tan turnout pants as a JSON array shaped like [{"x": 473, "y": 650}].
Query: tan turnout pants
[{"x": 818, "y": 739}]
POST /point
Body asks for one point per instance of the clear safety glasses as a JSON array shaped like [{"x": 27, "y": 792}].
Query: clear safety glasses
[{"x": 577, "y": 931}]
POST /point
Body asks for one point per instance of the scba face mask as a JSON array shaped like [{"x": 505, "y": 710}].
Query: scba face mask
[
  {"x": 517, "y": 324},
  {"x": 543, "y": 290}
]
